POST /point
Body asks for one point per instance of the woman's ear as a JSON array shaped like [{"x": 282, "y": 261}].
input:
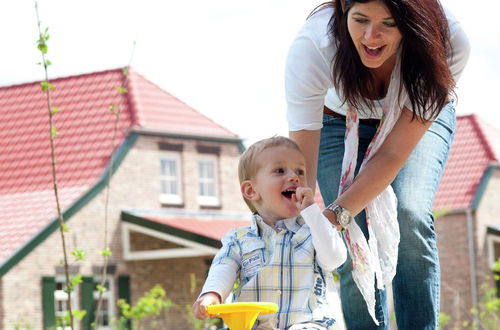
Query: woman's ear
[{"x": 248, "y": 191}]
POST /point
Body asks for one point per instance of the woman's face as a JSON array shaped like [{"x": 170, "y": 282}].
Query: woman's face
[{"x": 374, "y": 33}]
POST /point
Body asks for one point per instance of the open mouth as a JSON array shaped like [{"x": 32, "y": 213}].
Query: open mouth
[
  {"x": 288, "y": 193},
  {"x": 373, "y": 51}
]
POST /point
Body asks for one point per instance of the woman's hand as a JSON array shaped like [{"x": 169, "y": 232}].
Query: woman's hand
[
  {"x": 200, "y": 305},
  {"x": 332, "y": 217}
]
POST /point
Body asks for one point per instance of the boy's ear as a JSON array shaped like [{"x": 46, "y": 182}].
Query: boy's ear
[{"x": 248, "y": 192}]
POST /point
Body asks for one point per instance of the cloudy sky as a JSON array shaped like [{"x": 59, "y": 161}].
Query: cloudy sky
[{"x": 225, "y": 58}]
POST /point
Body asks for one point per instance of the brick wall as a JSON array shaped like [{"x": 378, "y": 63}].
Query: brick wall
[{"x": 455, "y": 271}]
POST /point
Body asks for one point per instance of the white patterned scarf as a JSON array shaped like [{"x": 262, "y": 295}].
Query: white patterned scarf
[{"x": 377, "y": 257}]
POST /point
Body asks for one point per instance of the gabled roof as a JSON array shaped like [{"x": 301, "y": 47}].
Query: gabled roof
[
  {"x": 203, "y": 229},
  {"x": 83, "y": 145},
  {"x": 476, "y": 146}
]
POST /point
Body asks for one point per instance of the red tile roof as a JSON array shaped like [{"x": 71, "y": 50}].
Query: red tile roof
[
  {"x": 476, "y": 145},
  {"x": 83, "y": 145},
  {"x": 208, "y": 226}
]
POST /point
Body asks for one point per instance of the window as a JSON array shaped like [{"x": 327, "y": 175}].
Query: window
[
  {"x": 208, "y": 192},
  {"x": 494, "y": 254},
  {"x": 170, "y": 179},
  {"x": 106, "y": 311},
  {"x": 61, "y": 303},
  {"x": 84, "y": 297}
]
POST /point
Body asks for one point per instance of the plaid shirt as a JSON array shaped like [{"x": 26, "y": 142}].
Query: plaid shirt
[{"x": 277, "y": 267}]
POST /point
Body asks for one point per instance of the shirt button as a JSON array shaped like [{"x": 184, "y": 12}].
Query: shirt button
[{"x": 278, "y": 292}]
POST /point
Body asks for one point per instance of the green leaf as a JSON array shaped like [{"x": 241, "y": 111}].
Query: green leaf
[
  {"x": 79, "y": 314},
  {"x": 121, "y": 89},
  {"x": 42, "y": 46},
  {"x": 125, "y": 71},
  {"x": 77, "y": 279},
  {"x": 65, "y": 228},
  {"x": 45, "y": 85},
  {"x": 106, "y": 252},
  {"x": 53, "y": 132},
  {"x": 113, "y": 109},
  {"x": 80, "y": 255},
  {"x": 100, "y": 288},
  {"x": 47, "y": 62},
  {"x": 54, "y": 110}
]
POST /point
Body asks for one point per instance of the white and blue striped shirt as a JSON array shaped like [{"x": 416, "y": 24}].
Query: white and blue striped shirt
[{"x": 291, "y": 267}]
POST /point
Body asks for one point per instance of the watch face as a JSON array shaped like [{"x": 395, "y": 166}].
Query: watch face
[{"x": 344, "y": 218}]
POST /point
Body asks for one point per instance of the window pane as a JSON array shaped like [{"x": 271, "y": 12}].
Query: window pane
[
  {"x": 211, "y": 189},
  {"x": 206, "y": 169},
  {"x": 207, "y": 189},
  {"x": 169, "y": 187},
  {"x": 201, "y": 170},
  {"x": 105, "y": 310},
  {"x": 207, "y": 178},
  {"x": 168, "y": 167}
]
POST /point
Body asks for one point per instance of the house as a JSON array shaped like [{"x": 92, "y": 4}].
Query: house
[
  {"x": 469, "y": 228},
  {"x": 173, "y": 193}
]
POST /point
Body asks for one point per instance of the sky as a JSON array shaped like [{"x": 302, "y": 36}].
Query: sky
[{"x": 225, "y": 58}]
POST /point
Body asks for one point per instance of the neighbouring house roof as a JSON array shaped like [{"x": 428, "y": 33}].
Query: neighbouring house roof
[
  {"x": 201, "y": 228},
  {"x": 493, "y": 230},
  {"x": 475, "y": 148},
  {"x": 83, "y": 144}
]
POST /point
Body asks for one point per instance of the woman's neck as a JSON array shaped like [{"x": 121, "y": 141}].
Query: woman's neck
[{"x": 382, "y": 77}]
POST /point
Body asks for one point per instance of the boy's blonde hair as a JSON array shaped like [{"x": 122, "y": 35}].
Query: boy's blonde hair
[{"x": 248, "y": 166}]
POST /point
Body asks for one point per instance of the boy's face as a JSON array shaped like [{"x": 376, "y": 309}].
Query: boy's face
[{"x": 280, "y": 171}]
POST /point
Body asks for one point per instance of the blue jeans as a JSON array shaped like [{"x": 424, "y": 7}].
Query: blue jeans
[{"x": 417, "y": 281}]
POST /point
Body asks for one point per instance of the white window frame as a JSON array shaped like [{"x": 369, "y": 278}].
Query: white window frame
[
  {"x": 209, "y": 200},
  {"x": 175, "y": 199},
  {"x": 60, "y": 295},
  {"x": 492, "y": 239},
  {"x": 109, "y": 294}
]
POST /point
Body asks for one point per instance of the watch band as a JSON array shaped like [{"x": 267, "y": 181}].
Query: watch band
[{"x": 343, "y": 216}]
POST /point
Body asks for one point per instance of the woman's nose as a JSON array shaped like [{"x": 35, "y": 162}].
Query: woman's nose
[{"x": 371, "y": 32}]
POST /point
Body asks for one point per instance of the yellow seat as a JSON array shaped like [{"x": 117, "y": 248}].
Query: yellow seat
[{"x": 241, "y": 315}]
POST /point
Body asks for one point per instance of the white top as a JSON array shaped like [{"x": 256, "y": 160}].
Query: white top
[{"x": 308, "y": 73}]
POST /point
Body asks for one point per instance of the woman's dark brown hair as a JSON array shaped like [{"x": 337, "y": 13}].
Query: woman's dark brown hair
[{"x": 425, "y": 46}]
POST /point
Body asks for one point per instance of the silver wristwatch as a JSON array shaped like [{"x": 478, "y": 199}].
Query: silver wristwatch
[{"x": 344, "y": 217}]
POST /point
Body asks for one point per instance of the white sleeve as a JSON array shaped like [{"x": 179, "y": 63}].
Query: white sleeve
[
  {"x": 330, "y": 248},
  {"x": 307, "y": 79},
  {"x": 220, "y": 279},
  {"x": 460, "y": 49},
  {"x": 225, "y": 267}
]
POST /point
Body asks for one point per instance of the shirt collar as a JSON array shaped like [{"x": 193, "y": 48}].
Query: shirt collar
[{"x": 291, "y": 224}]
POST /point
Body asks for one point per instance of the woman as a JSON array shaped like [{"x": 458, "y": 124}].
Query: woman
[{"x": 390, "y": 66}]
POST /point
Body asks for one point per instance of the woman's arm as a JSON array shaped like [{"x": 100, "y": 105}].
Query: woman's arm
[
  {"x": 383, "y": 167},
  {"x": 308, "y": 142}
]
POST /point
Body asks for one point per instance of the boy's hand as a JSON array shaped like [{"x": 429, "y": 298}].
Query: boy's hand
[
  {"x": 200, "y": 305},
  {"x": 303, "y": 197}
]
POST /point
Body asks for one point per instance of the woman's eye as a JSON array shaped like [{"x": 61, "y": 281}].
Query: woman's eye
[
  {"x": 390, "y": 24},
  {"x": 360, "y": 20}
]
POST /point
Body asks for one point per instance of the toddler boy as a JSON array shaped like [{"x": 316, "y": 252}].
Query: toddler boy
[{"x": 288, "y": 253}]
